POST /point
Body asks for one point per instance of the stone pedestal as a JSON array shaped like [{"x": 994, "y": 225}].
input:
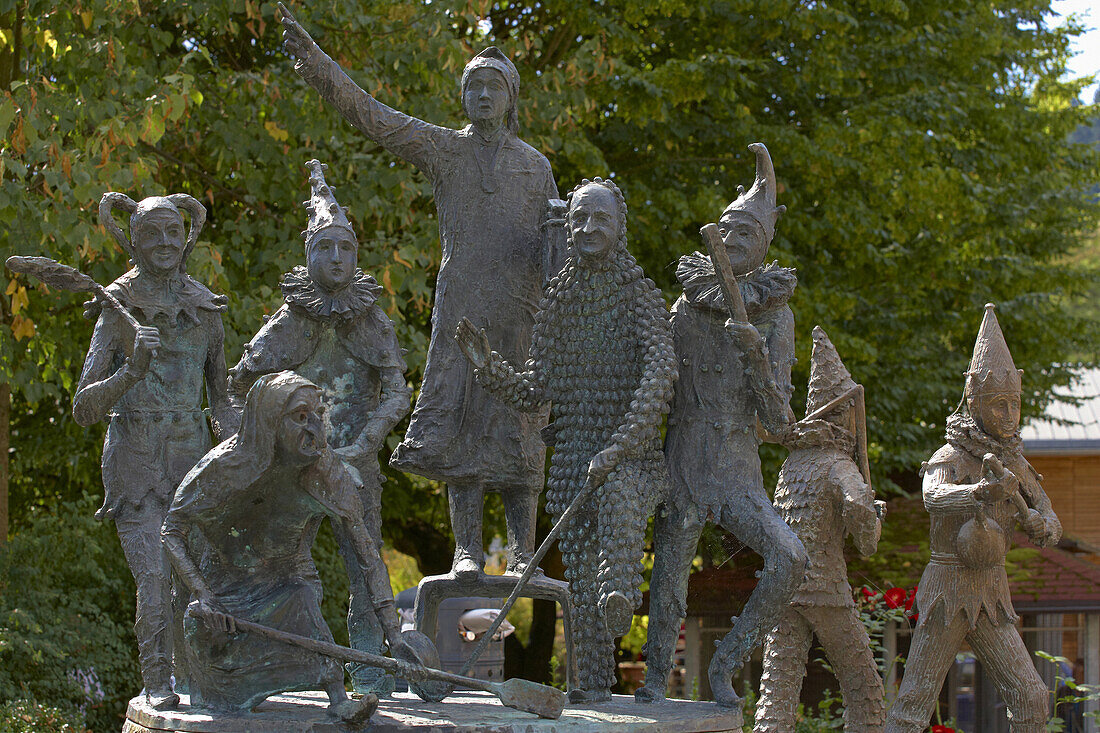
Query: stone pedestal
[{"x": 463, "y": 712}]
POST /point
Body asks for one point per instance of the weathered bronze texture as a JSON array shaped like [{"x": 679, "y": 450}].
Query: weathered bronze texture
[
  {"x": 148, "y": 381},
  {"x": 239, "y": 533},
  {"x": 492, "y": 193},
  {"x": 331, "y": 330},
  {"x": 602, "y": 358},
  {"x": 733, "y": 373},
  {"x": 977, "y": 489},
  {"x": 824, "y": 495}
]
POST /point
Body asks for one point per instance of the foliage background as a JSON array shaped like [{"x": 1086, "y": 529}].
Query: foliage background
[{"x": 921, "y": 149}]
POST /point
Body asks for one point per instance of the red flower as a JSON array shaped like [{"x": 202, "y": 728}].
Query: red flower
[
  {"x": 913, "y": 617},
  {"x": 894, "y": 597},
  {"x": 942, "y": 729},
  {"x": 867, "y": 593},
  {"x": 910, "y": 598}
]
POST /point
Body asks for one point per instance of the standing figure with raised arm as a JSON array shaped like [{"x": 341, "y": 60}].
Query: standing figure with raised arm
[
  {"x": 977, "y": 489},
  {"x": 149, "y": 383},
  {"x": 331, "y": 330},
  {"x": 492, "y": 192},
  {"x": 601, "y": 357},
  {"x": 733, "y": 373},
  {"x": 824, "y": 494}
]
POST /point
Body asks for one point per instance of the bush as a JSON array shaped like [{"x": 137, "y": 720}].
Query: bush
[{"x": 66, "y": 615}]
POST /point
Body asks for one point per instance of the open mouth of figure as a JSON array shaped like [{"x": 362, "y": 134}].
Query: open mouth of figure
[{"x": 310, "y": 444}]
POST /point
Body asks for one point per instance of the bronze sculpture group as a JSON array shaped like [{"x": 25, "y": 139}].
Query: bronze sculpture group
[{"x": 218, "y": 538}]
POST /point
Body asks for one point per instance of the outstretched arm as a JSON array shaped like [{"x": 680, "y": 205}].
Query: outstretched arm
[
  {"x": 407, "y": 137},
  {"x": 524, "y": 390}
]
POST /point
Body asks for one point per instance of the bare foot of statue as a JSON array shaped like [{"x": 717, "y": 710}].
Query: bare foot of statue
[
  {"x": 650, "y": 692},
  {"x": 162, "y": 698},
  {"x": 354, "y": 713},
  {"x": 618, "y": 613},
  {"x": 581, "y": 696},
  {"x": 721, "y": 686}
]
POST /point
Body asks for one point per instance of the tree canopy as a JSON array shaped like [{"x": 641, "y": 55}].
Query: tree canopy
[{"x": 920, "y": 147}]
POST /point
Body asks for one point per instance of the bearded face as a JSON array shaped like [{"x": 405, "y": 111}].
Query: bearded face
[{"x": 301, "y": 433}]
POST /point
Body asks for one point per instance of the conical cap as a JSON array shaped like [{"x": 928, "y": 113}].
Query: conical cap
[
  {"x": 323, "y": 209},
  {"x": 759, "y": 201},
  {"x": 992, "y": 370},
  {"x": 829, "y": 378}
]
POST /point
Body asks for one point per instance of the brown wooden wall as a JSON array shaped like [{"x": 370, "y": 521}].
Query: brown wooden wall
[{"x": 1073, "y": 485}]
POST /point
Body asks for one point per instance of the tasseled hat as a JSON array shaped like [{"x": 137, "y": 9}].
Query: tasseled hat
[
  {"x": 759, "y": 201},
  {"x": 992, "y": 370},
  {"x": 830, "y": 380},
  {"x": 322, "y": 207},
  {"x": 493, "y": 58}
]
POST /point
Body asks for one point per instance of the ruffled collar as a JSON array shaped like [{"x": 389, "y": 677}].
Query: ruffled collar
[
  {"x": 138, "y": 292},
  {"x": 963, "y": 433},
  {"x": 767, "y": 287},
  {"x": 818, "y": 434},
  {"x": 352, "y": 301}
]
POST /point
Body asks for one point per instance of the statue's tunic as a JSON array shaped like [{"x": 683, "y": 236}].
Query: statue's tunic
[
  {"x": 491, "y": 196},
  {"x": 716, "y": 405},
  {"x": 157, "y": 430}
]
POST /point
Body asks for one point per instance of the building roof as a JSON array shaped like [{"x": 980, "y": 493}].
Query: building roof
[
  {"x": 1064, "y": 427},
  {"x": 1050, "y": 578}
]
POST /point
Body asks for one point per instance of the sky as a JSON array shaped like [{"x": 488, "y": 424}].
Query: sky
[{"x": 1087, "y": 46}]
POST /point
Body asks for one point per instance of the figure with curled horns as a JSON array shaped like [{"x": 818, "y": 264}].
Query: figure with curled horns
[{"x": 148, "y": 382}]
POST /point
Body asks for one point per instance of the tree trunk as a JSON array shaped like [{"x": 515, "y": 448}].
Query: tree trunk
[
  {"x": 11, "y": 53},
  {"x": 5, "y": 442}
]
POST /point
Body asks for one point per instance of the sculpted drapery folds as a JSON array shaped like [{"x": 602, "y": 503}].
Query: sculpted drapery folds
[
  {"x": 149, "y": 384},
  {"x": 491, "y": 193},
  {"x": 824, "y": 496},
  {"x": 239, "y": 534},
  {"x": 732, "y": 374},
  {"x": 977, "y": 489},
  {"x": 331, "y": 330},
  {"x": 602, "y": 358}
]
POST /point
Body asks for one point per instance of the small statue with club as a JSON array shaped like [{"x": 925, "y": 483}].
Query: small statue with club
[
  {"x": 824, "y": 493},
  {"x": 977, "y": 489},
  {"x": 158, "y": 340}
]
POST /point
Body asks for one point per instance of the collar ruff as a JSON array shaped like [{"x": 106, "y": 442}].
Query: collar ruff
[
  {"x": 765, "y": 288},
  {"x": 189, "y": 297},
  {"x": 352, "y": 301}
]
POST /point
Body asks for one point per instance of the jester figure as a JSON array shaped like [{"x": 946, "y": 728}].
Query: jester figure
[
  {"x": 492, "y": 192},
  {"x": 149, "y": 383},
  {"x": 977, "y": 489},
  {"x": 331, "y": 330},
  {"x": 824, "y": 494},
  {"x": 732, "y": 374},
  {"x": 601, "y": 357}
]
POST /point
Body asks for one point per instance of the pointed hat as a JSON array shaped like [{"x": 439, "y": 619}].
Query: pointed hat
[
  {"x": 322, "y": 207},
  {"x": 992, "y": 370},
  {"x": 759, "y": 201},
  {"x": 829, "y": 378}
]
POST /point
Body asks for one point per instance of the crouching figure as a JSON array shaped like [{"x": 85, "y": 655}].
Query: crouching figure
[{"x": 239, "y": 533}]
